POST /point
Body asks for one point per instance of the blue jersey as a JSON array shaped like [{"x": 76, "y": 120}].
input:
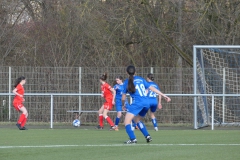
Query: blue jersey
[
  {"x": 118, "y": 88},
  {"x": 140, "y": 85},
  {"x": 153, "y": 97},
  {"x": 152, "y": 94},
  {"x": 118, "y": 103}
]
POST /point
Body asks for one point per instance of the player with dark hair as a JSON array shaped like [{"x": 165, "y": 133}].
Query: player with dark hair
[
  {"x": 108, "y": 93},
  {"x": 136, "y": 86},
  {"x": 18, "y": 102},
  {"x": 118, "y": 87},
  {"x": 154, "y": 103}
]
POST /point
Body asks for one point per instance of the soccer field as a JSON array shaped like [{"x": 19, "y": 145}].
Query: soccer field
[{"x": 86, "y": 143}]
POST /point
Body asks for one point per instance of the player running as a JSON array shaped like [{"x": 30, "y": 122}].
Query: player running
[
  {"x": 154, "y": 103},
  {"x": 108, "y": 93},
  {"x": 18, "y": 102},
  {"x": 118, "y": 87},
  {"x": 136, "y": 86}
]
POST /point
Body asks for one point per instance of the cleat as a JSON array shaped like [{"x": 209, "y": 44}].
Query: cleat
[
  {"x": 131, "y": 141},
  {"x": 98, "y": 127},
  {"x": 116, "y": 128},
  {"x": 23, "y": 128},
  {"x": 156, "y": 128},
  {"x": 18, "y": 125},
  {"x": 113, "y": 128},
  {"x": 148, "y": 139}
]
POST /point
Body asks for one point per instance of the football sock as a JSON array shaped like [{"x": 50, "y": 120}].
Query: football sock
[
  {"x": 133, "y": 123},
  {"x": 109, "y": 121},
  {"x": 21, "y": 118},
  {"x": 142, "y": 128},
  {"x": 100, "y": 120},
  {"x": 24, "y": 122},
  {"x": 154, "y": 122},
  {"x": 117, "y": 120},
  {"x": 129, "y": 131}
]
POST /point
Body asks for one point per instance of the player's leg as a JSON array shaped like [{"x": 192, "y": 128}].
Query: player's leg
[
  {"x": 23, "y": 117},
  {"x": 100, "y": 118},
  {"x": 117, "y": 120},
  {"x": 153, "y": 109},
  {"x": 108, "y": 119},
  {"x": 141, "y": 125},
  {"x": 128, "y": 128}
]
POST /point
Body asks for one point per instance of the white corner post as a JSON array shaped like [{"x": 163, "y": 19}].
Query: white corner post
[{"x": 195, "y": 87}]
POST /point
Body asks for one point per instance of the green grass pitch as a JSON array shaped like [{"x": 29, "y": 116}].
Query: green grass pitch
[{"x": 86, "y": 143}]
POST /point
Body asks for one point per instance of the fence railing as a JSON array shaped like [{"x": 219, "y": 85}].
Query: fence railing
[{"x": 195, "y": 109}]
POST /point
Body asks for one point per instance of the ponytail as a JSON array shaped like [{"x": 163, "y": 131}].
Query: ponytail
[{"x": 131, "y": 71}]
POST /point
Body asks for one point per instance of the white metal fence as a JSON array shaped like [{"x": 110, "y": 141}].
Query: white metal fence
[
  {"x": 193, "y": 115},
  {"x": 51, "y": 92}
]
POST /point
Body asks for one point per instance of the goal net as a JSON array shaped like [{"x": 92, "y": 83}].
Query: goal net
[{"x": 217, "y": 71}]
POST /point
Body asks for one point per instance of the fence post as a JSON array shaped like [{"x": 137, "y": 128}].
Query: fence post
[
  {"x": 212, "y": 112},
  {"x": 9, "y": 91},
  {"x": 51, "y": 113},
  {"x": 80, "y": 90},
  {"x": 223, "y": 104}
]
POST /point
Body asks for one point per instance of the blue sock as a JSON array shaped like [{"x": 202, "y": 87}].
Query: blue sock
[
  {"x": 130, "y": 132},
  {"x": 154, "y": 122},
  {"x": 142, "y": 128},
  {"x": 117, "y": 121},
  {"x": 133, "y": 123}
]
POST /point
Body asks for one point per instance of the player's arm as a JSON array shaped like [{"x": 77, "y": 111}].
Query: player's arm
[
  {"x": 123, "y": 102},
  {"x": 159, "y": 101},
  {"x": 114, "y": 95},
  {"x": 15, "y": 92},
  {"x": 160, "y": 93}
]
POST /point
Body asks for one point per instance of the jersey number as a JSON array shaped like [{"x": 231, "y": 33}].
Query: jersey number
[
  {"x": 152, "y": 94},
  {"x": 141, "y": 90}
]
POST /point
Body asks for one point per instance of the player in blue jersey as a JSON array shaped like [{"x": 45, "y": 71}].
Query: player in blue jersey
[
  {"x": 118, "y": 86},
  {"x": 154, "y": 103},
  {"x": 136, "y": 86},
  {"x": 118, "y": 99}
]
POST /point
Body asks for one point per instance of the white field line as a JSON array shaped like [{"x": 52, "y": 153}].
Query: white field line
[{"x": 116, "y": 145}]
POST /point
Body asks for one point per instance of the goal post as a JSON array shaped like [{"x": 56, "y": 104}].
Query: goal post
[{"x": 216, "y": 70}]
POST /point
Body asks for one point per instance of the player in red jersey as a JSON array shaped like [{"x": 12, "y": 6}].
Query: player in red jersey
[
  {"x": 108, "y": 93},
  {"x": 18, "y": 102}
]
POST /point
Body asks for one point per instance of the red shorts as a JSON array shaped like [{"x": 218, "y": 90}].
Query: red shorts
[
  {"x": 108, "y": 104},
  {"x": 17, "y": 105}
]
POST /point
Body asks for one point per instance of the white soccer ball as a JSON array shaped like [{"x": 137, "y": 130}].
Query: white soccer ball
[{"x": 76, "y": 123}]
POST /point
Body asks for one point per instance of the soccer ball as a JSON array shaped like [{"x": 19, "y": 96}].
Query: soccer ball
[{"x": 76, "y": 123}]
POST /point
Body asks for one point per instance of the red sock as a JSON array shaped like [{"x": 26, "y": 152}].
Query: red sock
[
  {"x": 24, "y": 122},
  {"x": 21, "y": 118},
  {"x": 109, "y": 121},
  {"x": 100, "y": 120}
]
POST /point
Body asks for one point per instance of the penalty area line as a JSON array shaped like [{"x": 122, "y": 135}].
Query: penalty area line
[{"x": 115, "y": 145}]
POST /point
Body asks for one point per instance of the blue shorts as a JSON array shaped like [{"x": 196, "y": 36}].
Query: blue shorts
[
  {"x": 118, "y": 105},
  {"x": 138, "y": 108},
  {"x": 153, "y": 105}
]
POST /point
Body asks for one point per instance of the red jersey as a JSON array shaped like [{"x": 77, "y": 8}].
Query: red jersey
[
  {"x": 106, "y": 92},
  {"x": 20, "y": 90}
]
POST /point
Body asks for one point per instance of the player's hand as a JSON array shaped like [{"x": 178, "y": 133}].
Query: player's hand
[
  {"x": 23, "y": 99},
  {"x": 167, "y": 99},
  {"x": 160, "y": 106},
  {"x": 113, "y": 102}
]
